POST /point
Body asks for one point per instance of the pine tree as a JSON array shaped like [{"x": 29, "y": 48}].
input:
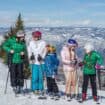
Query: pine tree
[
  {"x": 20, "y": 26},
  {"x": 12, "y": 31},
  {"x": 19, "y": 23}
]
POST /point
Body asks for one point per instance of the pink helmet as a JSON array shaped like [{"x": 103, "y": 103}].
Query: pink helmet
[{"x": 36, "y": 34}]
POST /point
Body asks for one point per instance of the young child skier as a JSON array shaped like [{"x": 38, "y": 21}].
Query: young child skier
[
  {"x": 37, "y": 52},
  {"x": 16, "y": 48},
  {"x": 69, "y": 60},
  {"x": 92, "y": 61},
  {"x": 51, "y": 64}
]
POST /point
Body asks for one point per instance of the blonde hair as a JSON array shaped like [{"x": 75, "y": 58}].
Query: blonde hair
[{"x": 51, "y": 49}]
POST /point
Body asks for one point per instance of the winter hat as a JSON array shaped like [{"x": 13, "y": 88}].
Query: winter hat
[
  {"x": 20, "y": 34},
  {"x": 89, "y": 47},
  {"x": 36, "y": 34},
  {"x": 72, "y": 42}
]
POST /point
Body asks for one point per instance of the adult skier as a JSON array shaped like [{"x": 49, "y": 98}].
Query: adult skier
[
  {"x": 37, "y": 52},
  {"x": 51, "y": 71},
  {"x": 92, "y": 61},
  {"x": 69, "y": 60},
  {"x": 15, "y": 47}
]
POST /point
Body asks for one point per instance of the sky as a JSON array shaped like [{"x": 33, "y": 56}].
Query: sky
[{"x": 53, "y": 12}]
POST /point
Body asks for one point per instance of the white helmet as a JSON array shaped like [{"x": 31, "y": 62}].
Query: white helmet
[
  {"x": 89, "y": 47},
  {"x": 20, "y": 34}
]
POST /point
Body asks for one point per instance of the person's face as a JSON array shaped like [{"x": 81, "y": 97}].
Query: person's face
[
  {"x": 51, "y": 50},
  {"x": 35, "y": 38},
  {"x": 72, "y": 48},
  {"x": 22, "y": 38},
  {"x": 48, "y": 49},
  {"x": 87, "y": 51}
]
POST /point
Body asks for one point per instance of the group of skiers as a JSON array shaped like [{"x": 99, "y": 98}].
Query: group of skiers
[{"x": 44, "y": 65}]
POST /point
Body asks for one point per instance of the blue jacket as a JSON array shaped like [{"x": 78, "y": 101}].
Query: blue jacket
[{"x": 51, "y": 64}]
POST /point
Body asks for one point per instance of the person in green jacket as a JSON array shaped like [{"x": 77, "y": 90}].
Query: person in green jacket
[
  {"x": 9, "y": 42},
  {"x": 92, "y": 61},
  {"x": 16, "y": 48}
]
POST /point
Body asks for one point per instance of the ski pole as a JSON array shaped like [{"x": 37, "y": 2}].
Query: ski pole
[
  {"x": 26, "y": 83},
  {"x": 26, "y": 89},
  {"x": 9, "y": 65},
  {"x": 99, "y": 84},
  {"x": 5, "y": 91},
  {"x": 44, "y": 81},
  {"x": 78, "y": 80}
]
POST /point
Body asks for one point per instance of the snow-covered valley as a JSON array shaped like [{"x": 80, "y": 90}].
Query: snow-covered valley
[{"x": 56, "y": 36}]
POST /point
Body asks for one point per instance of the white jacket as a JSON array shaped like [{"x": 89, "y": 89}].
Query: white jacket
[{"x": 37, "y": 48}]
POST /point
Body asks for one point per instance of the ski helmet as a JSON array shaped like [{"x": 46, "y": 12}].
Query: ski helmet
[
  {"x": 72, "y": 42},
  {"x": 20, "y": 34},
  {"x": 89, "y": 47},
  {"x": 36, "y": 34}
]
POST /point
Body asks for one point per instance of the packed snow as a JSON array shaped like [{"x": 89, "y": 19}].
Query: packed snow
[{"x": 30, "y": 99}]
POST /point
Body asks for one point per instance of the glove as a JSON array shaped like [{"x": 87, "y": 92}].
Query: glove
[
  {"x": 39, "y": 58},
  {"x": 32, "y": 57},
  {"x": 12, "y": 51},
  {"x": 44, "y": 78},
  {"x": 102, "y": 67},
  {"x": 80, "y": 64},
  {"x": 22, "y": 53},
  {"x": 53, "y": 76},
  {"x": 97, "y": 66}
]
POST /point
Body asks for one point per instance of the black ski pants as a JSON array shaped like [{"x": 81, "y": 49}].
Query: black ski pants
[
  {"x": 16, "y": 75},
  {"x": 52, "y": 85},
  {"x": 92, "y": 79}
]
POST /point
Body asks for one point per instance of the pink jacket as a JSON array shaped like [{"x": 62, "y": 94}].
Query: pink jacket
[{"x": 65, "y": 56}]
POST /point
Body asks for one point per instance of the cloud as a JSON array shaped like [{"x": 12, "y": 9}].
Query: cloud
[
  {"x": 83, "y": 22},
  {"x": 8, "y": 19},
  {"x": 43, "y": 22},
  {"x": 86, "y": 22}
]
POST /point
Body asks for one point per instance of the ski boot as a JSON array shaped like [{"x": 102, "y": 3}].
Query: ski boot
[
  {"x": 42, "y": 95},
  {"x": 14, "y": 89},
  {"x": 96, "y": 99},
  {"x": 83, "y": 98},
  {"x": 68, "y": 97},
  {"x": 19, "y": 91},
  {"x": 56, "y": 96},
  {"x": 73, "y": 96},
  {"x": 52, "y": 95},
  {"x": 77, "y": 97},
  {"x": 36, "y": 92}
]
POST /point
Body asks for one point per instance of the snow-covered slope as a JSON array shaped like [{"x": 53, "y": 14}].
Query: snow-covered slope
[{"x": 10, "y": 99}]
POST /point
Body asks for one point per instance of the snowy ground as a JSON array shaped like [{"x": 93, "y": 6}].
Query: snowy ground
[{"x": 10, "y": 99}]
